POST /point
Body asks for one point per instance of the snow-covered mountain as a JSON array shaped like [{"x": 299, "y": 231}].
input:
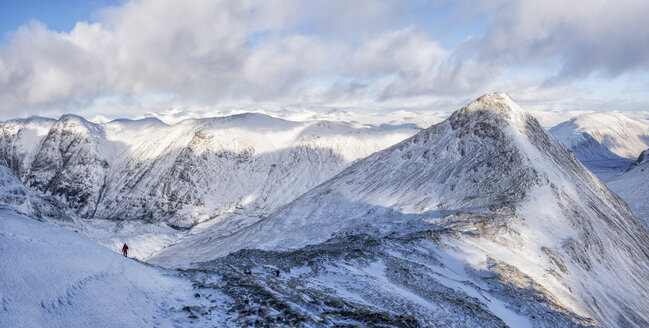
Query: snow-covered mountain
[
  {"x": 72, "y": 162},
  {"x": 29, "y": 202},
  {"x": 251, "y": 163},
  {"x": 603, "y": 135},
  {"x": 184, "y": 173},
  {"x": 483, "y": 219},
  {"x": 605, "y": 142},
  {"x": 633, "y": 187},
  {"x": 65, "y": 158}
]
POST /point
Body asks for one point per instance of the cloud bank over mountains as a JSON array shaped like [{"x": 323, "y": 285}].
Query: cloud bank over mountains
[{"x": 363, "y": 55}]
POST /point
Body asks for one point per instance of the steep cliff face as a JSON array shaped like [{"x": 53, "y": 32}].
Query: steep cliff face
[
  {"x": 19, "y": 140},
  {"x": 71, "y": 163},
  {"x": 249, "y": 164},
  {"x": 490, "y": 190}
]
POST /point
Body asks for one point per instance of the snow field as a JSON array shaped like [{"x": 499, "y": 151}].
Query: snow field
[{"x": 50, "y": 277}]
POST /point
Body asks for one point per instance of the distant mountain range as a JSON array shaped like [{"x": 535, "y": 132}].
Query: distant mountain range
[
  {"x": 603, "y": 135},
  {"x": 185, "y": 173}
]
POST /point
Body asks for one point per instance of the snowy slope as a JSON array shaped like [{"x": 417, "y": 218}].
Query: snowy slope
[
  {"x": 488, "y": 187},
  {"x": 144, "y": 238},
  {"x": 603, "y": 135},
  {"x": 50, "y": 277},
  {"x": 633, "y": 187}
]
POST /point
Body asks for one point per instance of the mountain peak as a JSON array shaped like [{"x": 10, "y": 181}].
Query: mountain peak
[
  {"x": 497, "y": 101},
  {"x": 72, "y": 117},
  {"x": 77, "y": 124},
  {"x": 494, "y": 107},
  {"x": 492, "y": 111}
]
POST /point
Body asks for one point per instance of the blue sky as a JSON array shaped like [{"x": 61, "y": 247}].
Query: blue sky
[
  {"x": 154, "y": 55},
  {"x": 60, "y": 15}
]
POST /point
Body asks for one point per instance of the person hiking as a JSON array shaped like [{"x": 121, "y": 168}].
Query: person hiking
[{"x": 125, "y": 249}]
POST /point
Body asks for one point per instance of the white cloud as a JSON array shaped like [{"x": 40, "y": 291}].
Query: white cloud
[
  {"x": 334, "y": 54},
  {"x": 584, "y": 36},
  {"x": 405, "y": 52},
  {"x": 276, "y": 66}
]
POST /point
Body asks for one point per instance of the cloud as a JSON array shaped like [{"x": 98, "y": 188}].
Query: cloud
[
  {"x": 210, "y": 51},
  {"x": 405, "y": 52},
  {"x": 583, "y": 37},
  {"x": 317, "y": 53},
  {"x": 279, "y": 65},
  {"x": 42, "y": 67}
]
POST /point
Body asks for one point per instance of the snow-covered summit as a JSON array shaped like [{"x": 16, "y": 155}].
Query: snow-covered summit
[
  {"x": 70, "y": 162},
  {"x": 71, "y": 123},
  {"x": 496, "y": 101},
  {"x": 495, "y": 187},
  {"x": 252, "y": 121},
  {"x": 147, "y": 121}
]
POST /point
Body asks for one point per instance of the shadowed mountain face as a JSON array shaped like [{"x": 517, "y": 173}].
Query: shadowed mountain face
[
  {"x": 29, "y": 202},
  {"x": 186, "y": 173},
  {"x": 633, "y": 187},
  {"x": 486, "y": 204}
]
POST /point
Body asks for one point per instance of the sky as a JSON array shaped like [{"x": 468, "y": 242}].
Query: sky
[{"x": 119, "y": 58}]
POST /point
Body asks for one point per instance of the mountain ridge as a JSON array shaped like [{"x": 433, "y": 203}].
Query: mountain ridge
[
  {"x": 229, "y": 171},
  {"x": 498, "y": 189}
]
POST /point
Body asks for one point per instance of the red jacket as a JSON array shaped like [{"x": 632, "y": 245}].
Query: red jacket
[{"x": 125, "y": 248}]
